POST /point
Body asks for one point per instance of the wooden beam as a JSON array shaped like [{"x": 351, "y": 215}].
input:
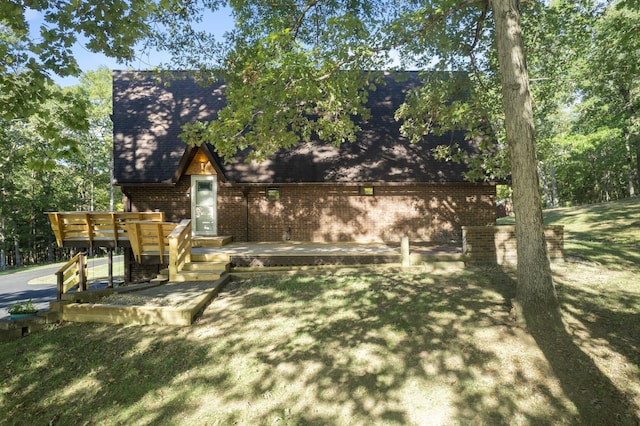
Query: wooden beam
[{"x": 110, "y": 253}]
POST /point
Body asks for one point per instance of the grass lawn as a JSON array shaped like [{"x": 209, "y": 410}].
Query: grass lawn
[
  {"x": 607, "y": 233},
  {"x": 94, "y": 272},
  {"x": 348, "y": 349}
]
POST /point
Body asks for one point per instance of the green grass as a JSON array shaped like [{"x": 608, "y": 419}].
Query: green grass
[
  {"x": 354, "y": 349},
  {"x": 342, "y": 349},
  {"x": 94, "y": 273},
  {"x": 607, "y": 233},
  {"x": 12, "y": 270}
]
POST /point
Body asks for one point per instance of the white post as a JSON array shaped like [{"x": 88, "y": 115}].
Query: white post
[{"x": 404, "y": 251}]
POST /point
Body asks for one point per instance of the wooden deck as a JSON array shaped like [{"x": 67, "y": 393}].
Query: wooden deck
[
  {"x": 145, "y": 233},
  {"x": 290, "y": 253},
  {"x": 203, "y": 264}
]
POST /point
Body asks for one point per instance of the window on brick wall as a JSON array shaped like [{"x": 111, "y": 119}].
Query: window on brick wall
[
  {"x": 273, "y": 193},
  {"x": 366, "y": 190}
]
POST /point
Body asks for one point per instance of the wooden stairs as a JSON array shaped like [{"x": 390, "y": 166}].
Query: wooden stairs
[{"x": 203, "y": 266}]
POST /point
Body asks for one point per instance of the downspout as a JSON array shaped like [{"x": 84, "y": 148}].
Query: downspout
[
  {"x": 126, "y": 200},
  {"x": 245, "y": 201},
  {"x": 128, "y": 256}
]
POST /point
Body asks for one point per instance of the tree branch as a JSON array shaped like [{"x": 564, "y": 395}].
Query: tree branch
[
  {"x": 479, "y": 27},
  {"x": 296, "y": 26},
  {"x": 437, "y": 19}
]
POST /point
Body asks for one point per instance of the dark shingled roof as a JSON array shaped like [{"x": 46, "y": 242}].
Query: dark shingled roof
[{"x": 148, "y": 112}]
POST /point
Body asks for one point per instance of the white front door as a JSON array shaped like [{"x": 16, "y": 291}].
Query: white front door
[{"x": 203, "y": 205}]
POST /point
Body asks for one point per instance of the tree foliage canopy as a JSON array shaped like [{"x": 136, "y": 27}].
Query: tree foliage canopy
[
  {"x": 593, "y": 142},
  {"x": 38, "y": 175},
  {"x": 37, "y": 40},
  {"x": 284, "y": 65}
]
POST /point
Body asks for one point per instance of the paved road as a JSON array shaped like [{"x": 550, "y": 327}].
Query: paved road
[{"x": 15, "y": 288}]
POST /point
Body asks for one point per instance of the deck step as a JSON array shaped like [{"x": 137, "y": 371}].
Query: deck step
[
  {"x": 206, "y": 266},
  {"x": 210, "y": 257},
  {"x": 202, "y": 271},
  {"x": 199, "y": 275},
  {"x": 217, "y": 241},
  {"x": 163, "y": 277}
]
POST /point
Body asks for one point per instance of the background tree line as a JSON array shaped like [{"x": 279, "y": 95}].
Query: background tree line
[
  {"x": 37, "y": 176},
  {"x": 589, "y": 142}
]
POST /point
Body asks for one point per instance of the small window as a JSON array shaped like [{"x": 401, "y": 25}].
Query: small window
[
  {"x": 366, "y": 190},
  {"x": 273, "y": 194},
  {"x": 205, "y": 186}
]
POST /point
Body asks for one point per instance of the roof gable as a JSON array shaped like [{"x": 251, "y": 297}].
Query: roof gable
[
  {"x": 198, "y": 161},
  {"x": 148, "y": 112}
]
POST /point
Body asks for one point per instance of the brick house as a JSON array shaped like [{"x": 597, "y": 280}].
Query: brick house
[{"x": 377, "y": 189}]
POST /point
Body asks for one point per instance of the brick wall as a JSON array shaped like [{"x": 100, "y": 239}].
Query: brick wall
[
  {"x": 423, "y": 212},
  {"x": 328, "y": 213},
  {"x": 497, "y": 244},
  {"x": 173, "y": 200},
  {"x": 232, "y": 217}
]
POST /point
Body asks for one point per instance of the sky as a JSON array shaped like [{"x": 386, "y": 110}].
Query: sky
[{"x": 217, "y": 23}]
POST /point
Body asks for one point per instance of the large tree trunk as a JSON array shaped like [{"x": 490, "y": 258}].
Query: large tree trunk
[
  {"x": 535, "y": 290},
  {"x": 111, "y": 180},
  {"x": 3, "y": 255},
  {"x": 630, "y": 171},
  {"x": 17, "y": 255}
]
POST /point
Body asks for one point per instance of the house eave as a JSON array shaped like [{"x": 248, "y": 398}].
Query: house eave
[
  {"x": 352, "y": 183},
  {"x": 164, "y": 184},
  {"x": 171, "y": 183}
]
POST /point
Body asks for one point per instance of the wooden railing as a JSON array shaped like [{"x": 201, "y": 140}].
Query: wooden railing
[
  {"x": 179, "y": 248},
  {"x": 96, "y": 229},
  {"x": 146, "y": 233},
  {"x": 72, "y": 274},
  {"x": 150, "y": 239}
]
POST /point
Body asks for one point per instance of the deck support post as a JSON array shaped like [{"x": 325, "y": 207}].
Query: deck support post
[
  {"x": 404, "y": 251},
  {"x": 82, "y": 273},
  {"x": 110, "y": 254}
]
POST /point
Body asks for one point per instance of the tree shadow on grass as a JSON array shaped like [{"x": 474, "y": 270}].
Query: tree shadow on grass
[
  {"x": 622, "y": 255},
  {"x": 96, "y": 374},
  {"x": 398, "y": 349},
  {"x": 596, "y": 397},
  {"x": 382, "y": 348},
  {"x": 611, "y": 315}
]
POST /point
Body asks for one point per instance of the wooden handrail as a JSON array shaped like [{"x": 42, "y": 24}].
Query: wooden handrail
[
  {"x": 179, "y": 248},
  {"x": 71, "y": 274},
  {"x": 149, "y": 238},
  {"x": 96, "y": 229}
]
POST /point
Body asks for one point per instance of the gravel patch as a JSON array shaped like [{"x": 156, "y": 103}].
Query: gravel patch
[
  {"x": 166, "y": 295},
  {"x": 135, "y": 300}
]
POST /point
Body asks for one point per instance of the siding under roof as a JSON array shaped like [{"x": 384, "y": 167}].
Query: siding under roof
[{"x": 148, "y": 112}]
